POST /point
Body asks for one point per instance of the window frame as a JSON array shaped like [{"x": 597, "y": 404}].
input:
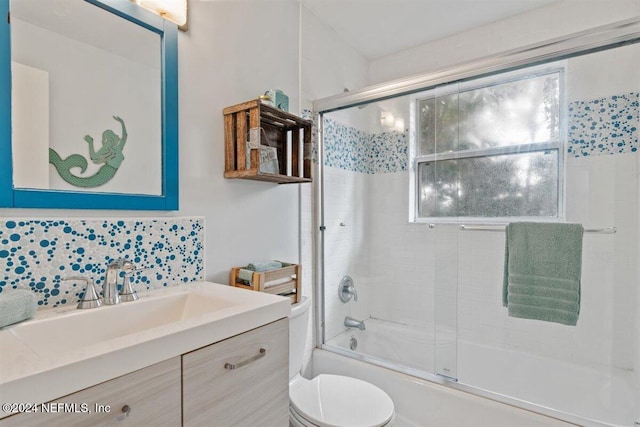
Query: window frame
[{"x": 505, "y": 77}]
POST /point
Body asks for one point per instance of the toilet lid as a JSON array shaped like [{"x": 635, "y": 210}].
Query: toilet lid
[{"x": 337, "y": 401}]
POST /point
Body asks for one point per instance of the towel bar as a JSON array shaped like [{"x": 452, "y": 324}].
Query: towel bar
[{"x": 607, "y": 230}]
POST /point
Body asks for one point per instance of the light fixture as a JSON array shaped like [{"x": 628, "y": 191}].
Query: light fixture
[
  {"x": 387, "y": 119},
  {"x": 172, "y": 10}
]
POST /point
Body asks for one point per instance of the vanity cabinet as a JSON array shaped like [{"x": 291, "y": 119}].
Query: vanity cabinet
[
  {"x": 264, "y": 143},
  {"x": 147, "y": 397},
  {"x": 242, "y": 381}
]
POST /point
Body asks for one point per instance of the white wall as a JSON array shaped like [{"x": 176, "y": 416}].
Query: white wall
[
  {"x": 536, "y": 26},
  {"x": 232, "y": 53},
  {"x": 224, "y": 59},
  {"x": 327, "y": 67},
  {"x": 328, "y": 64},
  {"x": 227, "y": 57}
]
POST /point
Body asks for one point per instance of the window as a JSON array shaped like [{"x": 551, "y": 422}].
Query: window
[{"x": 490, "y": 148}]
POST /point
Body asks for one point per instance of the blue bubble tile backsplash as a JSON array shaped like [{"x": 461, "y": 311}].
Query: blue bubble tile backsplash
[{"x": 37, "y": 253}]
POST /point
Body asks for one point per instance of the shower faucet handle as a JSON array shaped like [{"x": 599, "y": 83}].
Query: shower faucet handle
[{"x": 347, "y": 289}]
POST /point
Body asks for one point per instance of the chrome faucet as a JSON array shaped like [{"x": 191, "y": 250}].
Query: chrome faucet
[
  {"x": 350, "y": 322},
  {"x": 110, "y": 294}
]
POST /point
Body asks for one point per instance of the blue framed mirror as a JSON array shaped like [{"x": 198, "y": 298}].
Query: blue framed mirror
[{"x": 89, "y": 106}]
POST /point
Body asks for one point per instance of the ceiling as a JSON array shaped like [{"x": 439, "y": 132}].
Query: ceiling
[{"x": 377, "y": 28}]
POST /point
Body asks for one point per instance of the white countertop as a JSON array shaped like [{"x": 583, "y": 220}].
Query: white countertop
[{"x": 33, "y": 374}]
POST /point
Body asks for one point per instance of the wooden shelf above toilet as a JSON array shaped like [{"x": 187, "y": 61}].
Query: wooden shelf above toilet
[{"x": 253, "y": 130}]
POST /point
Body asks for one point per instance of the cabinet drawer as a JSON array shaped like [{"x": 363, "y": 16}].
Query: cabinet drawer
[
  {"x": 152, "y": 396},
  {"x": 242, "y": 381}
]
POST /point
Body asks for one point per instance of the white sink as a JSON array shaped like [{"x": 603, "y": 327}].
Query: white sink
[
  {"x": 63, "y": 350},
  {"x": 82, "y": 328}
]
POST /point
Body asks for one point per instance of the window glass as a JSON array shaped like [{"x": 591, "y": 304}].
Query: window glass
[
  {"x": 490, "y": 150},
  {"x": 490, "y": 186},
  {"x": 517, "y": 112}
]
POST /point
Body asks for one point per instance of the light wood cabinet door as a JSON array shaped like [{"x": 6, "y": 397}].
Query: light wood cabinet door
[
  {"x": 147, "y": 397},
  {"x": 242, "y": 381}
]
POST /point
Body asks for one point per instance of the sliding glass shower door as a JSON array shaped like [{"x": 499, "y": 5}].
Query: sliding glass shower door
[
  {"x": 587, "y": 370},
  {"x": 417, "y": 191},
  {"x": 368, "y": 237}
]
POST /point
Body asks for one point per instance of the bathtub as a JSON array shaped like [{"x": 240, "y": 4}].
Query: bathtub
[{"x": 577, "y": 394}]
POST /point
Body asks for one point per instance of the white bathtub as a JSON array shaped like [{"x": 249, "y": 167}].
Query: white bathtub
[{"x": 578, "y": 394}]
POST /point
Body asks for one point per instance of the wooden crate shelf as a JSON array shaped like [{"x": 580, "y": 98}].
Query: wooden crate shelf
[
  {"x": 273, "y": 281},
  {"x": 287, "y": 133}
]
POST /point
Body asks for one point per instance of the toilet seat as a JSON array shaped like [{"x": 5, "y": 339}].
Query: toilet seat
[{"x": 339, "y": 401}]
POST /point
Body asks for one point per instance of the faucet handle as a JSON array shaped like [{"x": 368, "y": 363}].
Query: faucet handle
[
  {"x": 352, "y": 291},
  {"x": 347, "y": 289},
  {"x": 127, "y": 293},
  {"x": 90, "y": 299}
]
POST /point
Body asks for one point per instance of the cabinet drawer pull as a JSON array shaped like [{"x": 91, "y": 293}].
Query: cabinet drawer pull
[{"x": 232, "y": 366}]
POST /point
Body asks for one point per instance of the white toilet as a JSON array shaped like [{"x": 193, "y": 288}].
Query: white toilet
[{"x": 330, "y": 400}]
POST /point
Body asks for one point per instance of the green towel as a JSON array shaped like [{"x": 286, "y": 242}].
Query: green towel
[
  {"x": 264, "y": 266},
  {"x": 245, "y": 276},
  {"x": 16, "y": 305},
  {"x": 542, "y": 269}
]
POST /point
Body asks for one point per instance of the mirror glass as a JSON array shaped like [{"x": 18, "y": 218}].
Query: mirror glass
[
  {"x": 86, "y": 100},
  {"x": 93, "y": 118}
]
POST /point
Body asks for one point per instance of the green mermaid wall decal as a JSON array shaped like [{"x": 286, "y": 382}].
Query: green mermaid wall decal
[{"x": 110, "y": 154}]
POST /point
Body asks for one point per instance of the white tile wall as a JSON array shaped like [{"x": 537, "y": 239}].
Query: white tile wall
[
  {"x": 450, "y": 281},
  {"x": 345, "y": 248},
  {"x": 407, "y": 271},
  {"x": 419, "y": 275}
]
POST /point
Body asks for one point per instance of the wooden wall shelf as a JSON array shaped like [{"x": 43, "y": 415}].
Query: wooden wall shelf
[{"x": 279, "y": 134}]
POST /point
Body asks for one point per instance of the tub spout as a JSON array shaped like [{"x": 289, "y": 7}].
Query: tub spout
[{"x": 350, "y": 322}]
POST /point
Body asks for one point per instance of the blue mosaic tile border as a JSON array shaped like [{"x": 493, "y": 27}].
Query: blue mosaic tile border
[
  {"x": 345, "y": 147},
  {"x": 348, "y": 148},
  {"x": 387, "y": 152},
  {"x": 36, "y": 254},
  {"x": 606, "y": 125}
]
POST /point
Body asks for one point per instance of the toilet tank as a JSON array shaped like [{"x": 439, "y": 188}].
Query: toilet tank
[{"x": 298, "y": 322}]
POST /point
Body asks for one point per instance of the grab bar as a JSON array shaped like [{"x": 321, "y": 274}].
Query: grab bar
[{"x": 606, "y": 230}]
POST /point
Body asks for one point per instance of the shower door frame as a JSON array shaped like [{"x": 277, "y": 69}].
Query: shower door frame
[{"x": 588, "y": 41}]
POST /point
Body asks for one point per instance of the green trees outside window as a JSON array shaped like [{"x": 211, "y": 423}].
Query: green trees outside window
[{"x": 490, "y": 148}]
